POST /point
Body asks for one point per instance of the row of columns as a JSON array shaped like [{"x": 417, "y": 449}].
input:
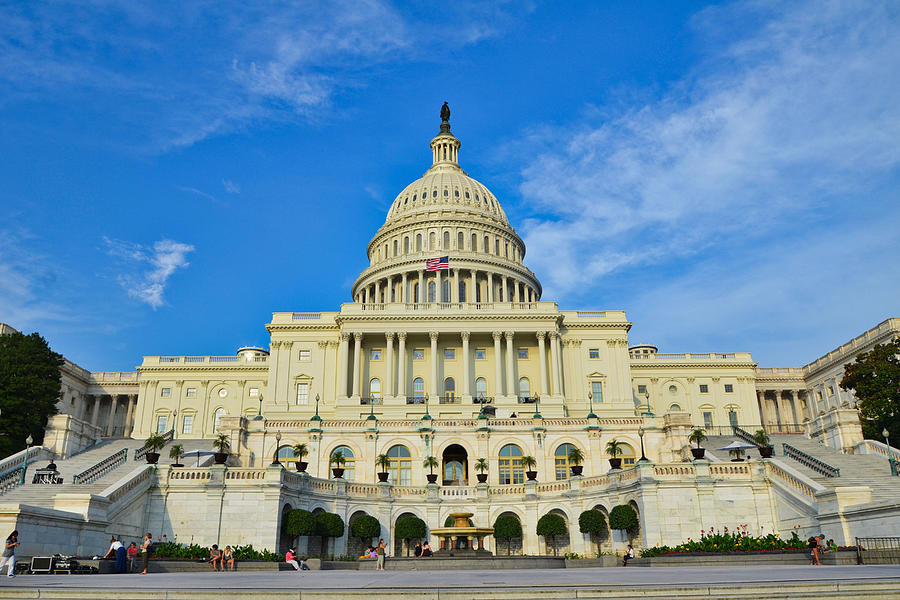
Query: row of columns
[
  {"x": 829, "y": 401},
  {"x": 343, "y": 362},
  {"x": 508, "y": 290},
  {"x": 95, "y": 409},
  {"x": 784, "y": 407}
]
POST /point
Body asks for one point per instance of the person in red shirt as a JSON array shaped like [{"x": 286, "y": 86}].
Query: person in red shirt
[
  {"x": 291, "y": 558},
  {"x": 131, "y": 554}
]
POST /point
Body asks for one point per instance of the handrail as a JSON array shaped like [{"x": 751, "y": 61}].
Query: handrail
[
  {"x": 745, "y": 435},
  {"x": 811, "y": 462},
  {"x": 11, "y": 479},
  {"x": 102, "y": 468},
  {"x": 143, "y": 450}
]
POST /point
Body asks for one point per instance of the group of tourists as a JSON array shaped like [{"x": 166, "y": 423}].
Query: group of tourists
[
  {"x": 126, "y": 557},
  {"x": 219, "y": 559},
  {"x": 817, "y": 548}
]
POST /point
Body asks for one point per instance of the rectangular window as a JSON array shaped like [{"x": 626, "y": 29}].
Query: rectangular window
[
  {"x": 187, "y": 425},
  {"x": 642, "y": 389},
  {"x": 830, "y": 391},
  {"x": 704, "y": 389},
  {"x": 480, "y": 354},
  {"x": 192, "y": 392},
  {"x": 449, "y": 354},
  {"x": 729, "y": 388},
  {"x": 597, "y": 391},
  {"x": 523, "y": 353},
  {"x": 303, "y": 393},
  {"x": 419, "y": 354},
  {"x": 819, "y": 395},
  {"x": 254, "y": 392},
  {"x": 375, "y": 354},
  {"x": 166, "y": 392},
  {"x": 161, "y": 424},
  {"x": 707, "y": 420},
  {"x": 732, "y": 418},
  {"x": 594, "y": 353},
  {"x": 304, "y": 355}
]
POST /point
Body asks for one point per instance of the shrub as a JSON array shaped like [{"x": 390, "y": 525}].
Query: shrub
[
  {"x": 550, "y": 526},
  {"x": 724, "y": 541},
  {"x": 624, "y": 517},
  {"x": 507, "y": 527},
  {"x": 410, "y": 528},
  {"x": 329, "y": 525},
  {"x": 592, "y": 522},
  {"x": 365, "y": 527},
  {"x": 300, "y": 522}
]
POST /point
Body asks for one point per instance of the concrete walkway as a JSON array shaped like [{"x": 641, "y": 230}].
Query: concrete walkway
[{"x": 846, "y": 582}]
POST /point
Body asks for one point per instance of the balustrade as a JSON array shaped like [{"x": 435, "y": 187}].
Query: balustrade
[
  {"x": 820, "y": 467},
  {"x": 102, "y": 468}
]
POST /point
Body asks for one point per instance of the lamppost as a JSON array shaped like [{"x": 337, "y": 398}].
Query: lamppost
[
  {"x": 641, "y": 435},
  {"x": 537, "y": 402},
  {"x": 174, "y": 423},
  {"x": 649, "y": 412},
  {"x": 28, "y": 442},
  {"x": 259, "y": 416},
  {"x": 887, "y": 442},
  {"x": 316, "y": 416},
  {"x": 591, "y": 414},
  {"x": 275, "y": 460}
]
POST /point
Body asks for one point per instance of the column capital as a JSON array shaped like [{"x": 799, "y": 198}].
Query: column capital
[
  {"x": 541, "y": 335},
  {"x": 509, "y": 335},
  {"x": 497, "y": 335},
  {"x": 433, "y": 335},
  {"x": 401, "y": 335},
  {"x": 357, "y": 336},
  {"x": 389, "y": 336},
  {"x": 465, "y": 335},
  {"x": 345, "y": 336}
]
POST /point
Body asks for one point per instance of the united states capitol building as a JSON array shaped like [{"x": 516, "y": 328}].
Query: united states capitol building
[{"x": 460, "y": 359}]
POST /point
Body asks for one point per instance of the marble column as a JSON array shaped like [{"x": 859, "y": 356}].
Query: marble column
[
  {"x": 389, "y": 371},
  {"x": 471, "y": 289},
  {"x": 466, "y": 378},
  {"x": 404, "y": 289},
  {"x": 422, "y": 297},
  {"x": 95, "y": 408},
  {"x": 542, "y": 358},
  {"x": 510, "y": 358},
  {"x": 434, "y": 363},
  {"x": 112, "y": 416},
  {"x": 377, "y": 291},
  {"x": 454, "y": 292},
  {"x": 498, "y": 364},
  {"x": 401, "y": 365},
  {"x": 357, "y": 350},
  {"x": 554, "y": 363},
  {"x": 505, "y": 289},
  {"x": 490, "y": 285},
  {"x": 129, "y": 416},
  {"x": 343, "y": 363},
  {"x": 812, "y": 404}
]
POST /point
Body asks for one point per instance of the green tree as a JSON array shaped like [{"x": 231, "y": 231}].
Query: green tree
[
  {"x": 410, "y": 528},
  {"x": 874, "y": 378},
  {"x": 550, "y": 526},
  {"x": 623, "y": 517},
  {"x": 365, "y": 527},
  {"x": 592, "y": 522},
  {"x": 507, "y": 527},
  {"x": 29, "y": 389},
  {"x": 329, "y": 525},
  {"x": 300, "y": 522}
]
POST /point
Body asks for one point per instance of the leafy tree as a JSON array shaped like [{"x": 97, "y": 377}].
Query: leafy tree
[
  {"x": 176, "y": 451},
  {"x": 614, "y": 448},
  {"x": 383, "y": 461},
  {"x": 698, "y": 436},
  {"x": 430, "y": 463},
  {"x": 300, "y": 522},
  {"x": 507, "y": 527},
  {"x": 301, "y": 450},
  {"x": 592, "y": 522},
  {"x": 410, "y": 528},
  {"x": 481, "y": 465},
  {"x": 550, "y": 526},
  {"x": 761, "y": 438},
  {"x": 365, "y": 527},
  {"x": 29, "y": 389},
  {"x": 624, "y": 518},
  {"x": 576, "y": 456},
  {"x": 874, "y": 378},
  {"x": 329, "y": 525},
  {"x": 221, "y": 443}
]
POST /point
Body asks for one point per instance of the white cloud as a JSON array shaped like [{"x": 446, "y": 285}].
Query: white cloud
[
  {"x": 231, "y": 187},
  {"x": 155, "y": 266},
  {"x": 196, "y": 192},
  {"x": 26, "y": 282},
  {"x": 797, "y": 122}
]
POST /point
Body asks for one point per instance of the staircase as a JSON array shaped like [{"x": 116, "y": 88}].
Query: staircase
[{"x": 43, "y": 494}]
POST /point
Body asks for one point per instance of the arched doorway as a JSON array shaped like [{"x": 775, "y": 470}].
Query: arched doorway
[
  {"x": 455, "y": 465},
  {"x": 561, "y": 541},
  {"x": 400, "y": 546},
  {"x": 605, "y": 538},
  {"x": 355, "y": 545},
  {"x": 285, "y": 541},
  {"x": 314, "y": 542},
  {"x": 512, "y": 545}
]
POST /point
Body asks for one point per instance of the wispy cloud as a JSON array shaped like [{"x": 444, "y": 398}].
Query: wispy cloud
[
  {"x": 196, "y": 192},
  {"x": 151, "y": 267},
  {"x": 790, "y": 130},
  {"x": 27, "y": 279},
  {"x": 231, "y": 187}
]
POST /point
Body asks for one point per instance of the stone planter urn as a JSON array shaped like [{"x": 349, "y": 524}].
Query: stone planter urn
[
  {"x": 698, "y": 453},
  {"x": 615, "y": 463},
  {"x": 382, "y": 477},
  {"x": 531, "y": 475},
  {"x": 338, "y": 472},
  {"x": 220, "y": 457},
  {"x": 152, "y": 458},
  {"x": 301, "y": 466}
]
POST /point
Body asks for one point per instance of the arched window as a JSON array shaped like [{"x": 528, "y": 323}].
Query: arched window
[
  {"x": 474, "y": 242},
  {"x": 460, "y": 241},
  {"x": 561, "y": 461},
  {"x": 497, "y": 246},
  {"x": 449, "y": 390},
  {"x": 431, "y": 238},
  {"x": 510, "y": 465},
  {"x": 375, "y": 389},
  {"x": 675, "y": 408},
  {"x": 287, "y": 457},
  {"x": 431, "y": 291},
  {"x": 418, "y": 242},
  {"x": 487, "y": 245},
  {"x": 481, "y": 388},
  {"x": 396, "y": 247},
  {"x": 462, "y": 291},
  {"x": 400, "y": 470},
  {"x": 220, "y": 412},
  {"x": 349, "y": 462},
  {"x": 419, "y": 390},
  {"x": 386, "y": 255},
  {"x": 406, "y": 245},
  {"x": 628, "y": 456},
  {"x": 446, "y": 240},
  {"x": 524, "y": 388},
  {"x": 445, "y": 290}
]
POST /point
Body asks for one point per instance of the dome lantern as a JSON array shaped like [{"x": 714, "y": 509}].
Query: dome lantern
[{"x": 445, "y": 146}]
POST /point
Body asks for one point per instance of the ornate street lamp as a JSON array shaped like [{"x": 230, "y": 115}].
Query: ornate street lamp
[
  {"x": 887, "y": 442},
  {"x": 643, "y": 456},
  {"x": 316, "y": 417},
  {"x": 649, "y": 412},
  {"x": 28, "y": 442},
  {"x": 275, "y": 460},
  {"x": 259, "y": 416},
  {"x": 591, "y": 414}
]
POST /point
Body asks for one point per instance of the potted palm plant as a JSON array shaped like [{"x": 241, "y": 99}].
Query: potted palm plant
[
  {"x": 430, "y": 463},
  {"x": 154, "y": 443},
  {"x": 698, "y": 436},
  {"x": 761, "y": 438},
  {"x": 576, "y": 457},
  {"x": 530, "y": 463},
  {"x": 481, "y": 465},
  {"x": 737, "y": 453},
  {"x": 338, "y": 460},
  {"x": 383, "y": 461},
  {"x": 222, "y": 446},
  {"x": 614, "y": 451},
  {"x": 300, "y": 451},
  {"x": 175, "y": 453}
]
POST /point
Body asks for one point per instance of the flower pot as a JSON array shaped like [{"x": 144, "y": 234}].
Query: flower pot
[
  {"x": 576, "y": 470},
  {"x": 698, "y": 453},
  {"x": 383, "y": 477},
  {"x": 301, "y": 466},
  {"x": 766, "y": 451},
  {"x": 531, "y": 475},
  {"x": 615, "y": 463},
  {"x": 338, "y": 472},
  {"x": 737, "y": 460},
  {"x": 432, "y": 477},
  {"x": 152, "y": 458},
  {"x": 482, "y": 477},
  {"x": 220, "y": 458},
  {"x": 177, "y": 465}
]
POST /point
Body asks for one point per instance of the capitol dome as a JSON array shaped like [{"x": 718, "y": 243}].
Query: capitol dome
[{"x": 446, "y": 214}]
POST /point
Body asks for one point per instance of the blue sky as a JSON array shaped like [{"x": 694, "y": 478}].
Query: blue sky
[{"x": 175, "y": 172}]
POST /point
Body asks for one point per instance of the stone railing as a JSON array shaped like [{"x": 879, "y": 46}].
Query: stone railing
[
  {"x": 743, "y": 434},
  {"x": 876, "y": 447},
  {"x": 693, "y": 356},
  {"x": 144, "y": 450},
  {"x": 802, "y": 485},
  {"x": 401, "y": 307},
  {"x": 730, "y": 470},
  {"x": 185, "y": 474},
  {"x": 673, "y": 471},
  {"x": 121, "y": 488},
  {"x": 853, "y": 346},
  {"x": 18, "y": 459},
  {"x": 103, "y": 467},
  {"x": 12, "y": 479},
  {"x": 811, "y": 462},
  {"x": 217, "y": 360}
]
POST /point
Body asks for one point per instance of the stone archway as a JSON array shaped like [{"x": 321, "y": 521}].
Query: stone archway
[
  {"x": 314, "y": 542},
  {"x": 605, "y": 538},
  {"x": 515, "y": 544},
  {"x": 400, "y": 548},
  {"x": 455, "y": 465},
  {"x": 285, "y": 540},
  {"x": 562, "y": 542},
  {"x": 635, "y": 536},
  {"x": 355, "y": 545}
]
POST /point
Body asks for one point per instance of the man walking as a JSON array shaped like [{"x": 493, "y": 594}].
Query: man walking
[{"x": 9, "y": 553}]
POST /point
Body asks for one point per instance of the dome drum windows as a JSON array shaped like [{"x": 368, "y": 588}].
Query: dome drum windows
[
  {"x": 349, "y": 466},
  {"x": 400, "y": 468},
  {"x": 509, "y": 465}
]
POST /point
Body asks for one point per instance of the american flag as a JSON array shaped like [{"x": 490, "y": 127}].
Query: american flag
[{"x": 438, "y": 264}]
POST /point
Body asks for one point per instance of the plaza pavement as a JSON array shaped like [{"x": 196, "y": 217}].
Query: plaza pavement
[{"x": 846, "y": 582}]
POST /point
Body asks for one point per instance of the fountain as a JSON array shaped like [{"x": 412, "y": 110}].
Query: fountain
[{"x": 461, "y": 538}]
